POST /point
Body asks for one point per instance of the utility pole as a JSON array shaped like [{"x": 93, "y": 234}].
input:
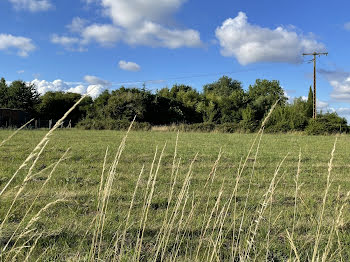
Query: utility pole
[{"x": 315, "y": 54}]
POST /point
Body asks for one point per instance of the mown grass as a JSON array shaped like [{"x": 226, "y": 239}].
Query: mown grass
[{"x": 212, "y": 221}]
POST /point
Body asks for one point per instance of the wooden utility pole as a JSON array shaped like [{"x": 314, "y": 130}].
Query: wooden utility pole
[{"x": 315, "y": 54}]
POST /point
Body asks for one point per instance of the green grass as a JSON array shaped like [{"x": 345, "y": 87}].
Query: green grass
[{"x": 62, "y": 227}]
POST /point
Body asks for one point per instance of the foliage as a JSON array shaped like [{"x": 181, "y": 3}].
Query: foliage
[
  {"x": 291, "y": 117},
  {"x": 54, "y": 104},
  {"x": 18, "y": 95},
  {"x": 111, "y": 124},
  {"x": 310, "y": 102},
  {"x": 328, "y": 123},
  {"x": 223, "y": 104}
]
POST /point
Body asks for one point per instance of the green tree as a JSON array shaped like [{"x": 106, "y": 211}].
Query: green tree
[
  {"x": 22, "y": 96},
  {"x": 3, "y": 93},
  {"x": 55, "y": 104},
  {"x": 310, "y": 102},
  {"x": 125, "y": 103},
  {"x": 263, "y": 94},
  {"x": 225, "y": 86},
  {"x": 98, "y": 107}
]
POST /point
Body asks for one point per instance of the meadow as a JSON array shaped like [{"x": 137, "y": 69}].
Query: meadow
[{"x": 167, "y": 196}]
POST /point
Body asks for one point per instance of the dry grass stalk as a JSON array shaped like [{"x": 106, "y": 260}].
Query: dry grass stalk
[
  {"x": 20, "y": 190},
  {"x": 297, "y": 187},
  {"x": 335, "y": 226},
  {"x": 35, "y": 198},
  {"x": 27, "y": 230},
  {"x": 121, "y": 252},
  {"x": 32, "y": 248},
  {"x": 173, "y": 177},
  {"x": 267, "y": 200},
  {"x": 186, "y": 225},
  {"x": 328, "y": 185},
  {"x": 211, "y": 178},
  {"x": 41, "y": 144},
  {"x": 14, "y": 133},
  {"x": 259, "y": 135},
  {"x": 148, "y": 204},
  {"x": 167, "y": 229},
  {"x": 104, "y": 198},
  {"x": 293, "y": 246},
  {"x": 182, "y": 195},
  {"x": 208, "y": 221}
]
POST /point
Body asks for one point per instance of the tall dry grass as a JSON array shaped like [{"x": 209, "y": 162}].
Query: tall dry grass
[{"x": 226, "y": 229}]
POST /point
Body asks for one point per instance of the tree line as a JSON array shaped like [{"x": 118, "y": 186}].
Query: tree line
[{"x": 222, "y": 105}]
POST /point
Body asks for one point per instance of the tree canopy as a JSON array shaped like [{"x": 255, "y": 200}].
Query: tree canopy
[{"x": 224, "y": 102}]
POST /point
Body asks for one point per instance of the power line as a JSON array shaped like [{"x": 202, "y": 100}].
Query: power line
[{"x": 183, "y": 77}]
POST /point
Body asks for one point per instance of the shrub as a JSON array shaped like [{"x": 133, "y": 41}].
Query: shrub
[
  {"x": 111, "y": 124},
  {"x": 328, "y": 123},
  {"x": 227, "y": 128}
]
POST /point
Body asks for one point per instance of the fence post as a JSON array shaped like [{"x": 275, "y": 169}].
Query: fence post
[
  {"x": 36, "y": 124},
  {"x": 50, "y": 123}
]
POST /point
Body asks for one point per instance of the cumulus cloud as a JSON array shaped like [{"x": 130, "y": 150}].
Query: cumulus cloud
[
  {"x": 155, "y": 35},
  {"x": 94, "y": 86},
  {"x": 252, "y": 43},
  {"x": 64, "y": 40},
  {"x": 129, "y": 66},
  {"x": 104, "y": 34},
  {"x": 94, "y": 80},
  {"x": 131, "y": 13},
  {"x": 23, "y": 45},
  {"x": 340, "y": 81},
  {"x": 69, "y": 43},
  {"x": 136, "y": 23},
  {"x": 95, "y": 90},
  {"x": 322, "y": 105},
  {"x": 44, "y": 86},
  {"x": 77, "y": 25},
  {"x": 32, "y": 5}
]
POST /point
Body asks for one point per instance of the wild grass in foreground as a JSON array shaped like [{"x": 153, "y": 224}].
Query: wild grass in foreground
[{"x": 149, "y": 196}]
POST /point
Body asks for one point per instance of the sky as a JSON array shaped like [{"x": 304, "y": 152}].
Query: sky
[{"x": 92, "y": 45}]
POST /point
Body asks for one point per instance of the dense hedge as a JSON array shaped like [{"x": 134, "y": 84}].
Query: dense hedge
[{"x": 222, "y": 106}]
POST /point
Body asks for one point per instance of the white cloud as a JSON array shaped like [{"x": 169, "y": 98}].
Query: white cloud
[
  {"x": 129, "y": 66},
  {"x": 93, "y": 90},
  {"x": 152, "y": 34},
  {"x": 20, "y": 72},
  {"x": 322, "y": 105},
  {"x": 22, "y": 44},
  {"x": 347, "y": 26},
  {"x": 64, "y": 40},
  {"x": 340, "y": 81},
  {"x": 44, "y": 86},
  {"x": 32, "y": 5},
  {"x": 252, "y": 43},
  {"x": 69, "y": 43},
  {"x": 136, "y": 22},
  {"x": 77, "y": 25},
  {"x": 80, "y": 89},
  {"x": 94, "y": 80},
  {"x": 105, "y": 34},
  {"x": 132, "y": 13}
]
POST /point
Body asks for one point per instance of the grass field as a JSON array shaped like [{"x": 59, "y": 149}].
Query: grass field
[{"x": 205, "y": 198}]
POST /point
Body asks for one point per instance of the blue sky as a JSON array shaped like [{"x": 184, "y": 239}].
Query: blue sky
[{"x": 83, "y": 45}]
